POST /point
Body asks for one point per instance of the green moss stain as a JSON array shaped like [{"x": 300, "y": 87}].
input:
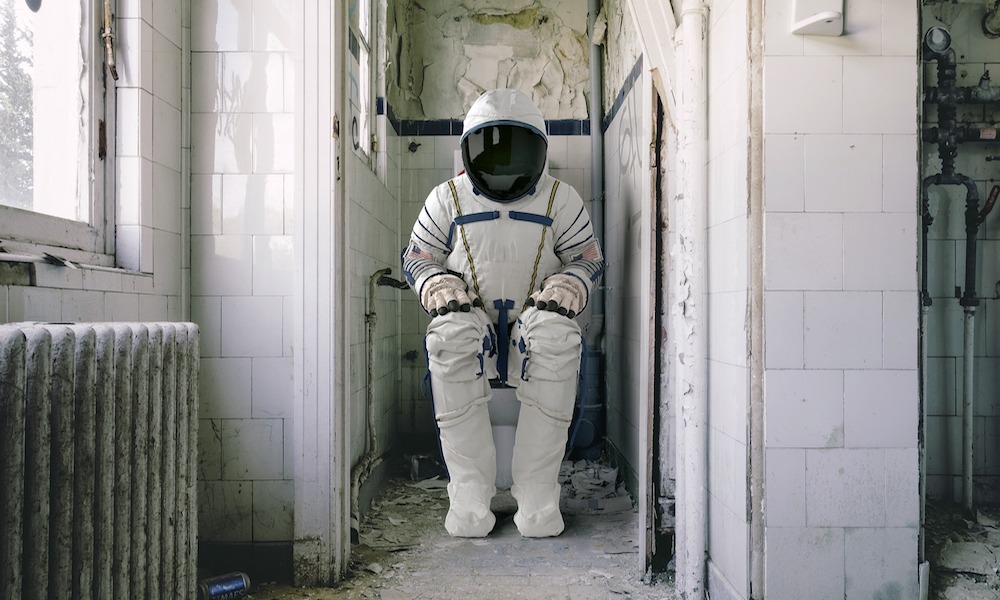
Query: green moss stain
[{"x": 526, "y": 19}]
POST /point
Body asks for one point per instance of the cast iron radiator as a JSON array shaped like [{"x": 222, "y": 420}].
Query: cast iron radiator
[{"x": 98, "y": 457}]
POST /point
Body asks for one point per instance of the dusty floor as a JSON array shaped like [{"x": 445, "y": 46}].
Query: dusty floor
[
  {"x": 405, "y": 554},
  {"x": 964, "y": 553}
]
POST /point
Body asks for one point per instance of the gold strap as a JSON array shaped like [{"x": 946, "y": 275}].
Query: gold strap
[
  {"x": 541, "y": 243},
  {"x": 461, "y": 229}
]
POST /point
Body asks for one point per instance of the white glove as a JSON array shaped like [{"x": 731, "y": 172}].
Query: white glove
[
  {"x": 446, "y": 293},
  {"x": 560, "y": 293}
]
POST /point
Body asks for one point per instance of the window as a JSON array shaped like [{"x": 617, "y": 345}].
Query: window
[
  {"x": 51, "y": 128},
  {"x": 359, "y": 75}
]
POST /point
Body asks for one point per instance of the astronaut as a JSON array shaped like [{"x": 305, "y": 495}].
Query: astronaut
[{"x": 503, "y": 257}]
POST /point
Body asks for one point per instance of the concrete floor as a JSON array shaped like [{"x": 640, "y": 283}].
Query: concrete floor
[{"x": 405, "y": 554}]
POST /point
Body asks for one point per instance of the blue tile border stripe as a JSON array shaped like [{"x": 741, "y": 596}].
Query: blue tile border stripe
[
  {"x": 627, "y": 86},
  {"x": 418, "y": 127}
]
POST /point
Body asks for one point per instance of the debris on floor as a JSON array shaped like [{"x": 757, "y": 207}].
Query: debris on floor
[
  {"x": 964, "y": 553},
  {"x": 592, "y": 488},
  {"x": 404, "y": 552}
]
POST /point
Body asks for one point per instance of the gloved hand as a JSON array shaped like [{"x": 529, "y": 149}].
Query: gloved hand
[
  {"x": 560, "y": 293},
  {"x": 447, "y": 293}
]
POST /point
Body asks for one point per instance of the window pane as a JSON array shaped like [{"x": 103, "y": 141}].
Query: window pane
[
  {"x": 359, "y": 94},
  {"x": 359, "y": 15},
  {"x": 43, "y": 115}
]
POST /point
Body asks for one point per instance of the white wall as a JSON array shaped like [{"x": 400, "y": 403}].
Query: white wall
[
  {"x": 627, "y": 113},
  {"x": 242, "y": 161},
  {"x": 728, "y": 270},
  {"x": 374, "y": 241},
  {"x": 840, "y": 251}
]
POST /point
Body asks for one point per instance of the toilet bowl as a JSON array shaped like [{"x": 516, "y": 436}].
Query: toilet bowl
[{"x": 504, "y": 408}]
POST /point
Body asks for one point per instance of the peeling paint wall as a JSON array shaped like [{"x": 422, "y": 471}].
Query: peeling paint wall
[
  {"x": 443, "y": 55},
  {"x": 622, "y": 47}
]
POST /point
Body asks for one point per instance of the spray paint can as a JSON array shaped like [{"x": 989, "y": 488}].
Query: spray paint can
[{"x": 230, "y": 586}]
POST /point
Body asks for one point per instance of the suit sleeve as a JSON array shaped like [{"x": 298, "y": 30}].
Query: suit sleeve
[
  {"x": 429, "y": 245},
  {"x": 575, "y": 244}
]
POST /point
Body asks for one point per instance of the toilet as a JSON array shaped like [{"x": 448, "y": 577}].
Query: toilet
[{"x": 504, "y": 408}]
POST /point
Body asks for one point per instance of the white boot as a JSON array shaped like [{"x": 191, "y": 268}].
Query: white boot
[
  {"x": 469, "y": 514},
  {"x": 537, "y": 509},
  {"x": 467, "y": 446},
  {"x": 547, "y": 389},
  {"x": 539, "y": 447},
  {"x": 461, "y": 390}
]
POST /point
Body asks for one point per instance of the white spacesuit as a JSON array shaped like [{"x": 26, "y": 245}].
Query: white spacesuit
[{"x": 503, "y": 257}]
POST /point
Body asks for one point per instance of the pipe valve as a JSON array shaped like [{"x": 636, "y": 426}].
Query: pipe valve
[{"x": 937, "y": 40}]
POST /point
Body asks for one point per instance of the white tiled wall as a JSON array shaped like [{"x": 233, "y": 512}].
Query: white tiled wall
[
  {"x": 375, "y": 245},
  {"x": 242, "y": 134},
  {"x": 625, "y": 164},
  {"x": 430, "y": 162},
  {"x": 841, "y": 317},
  {"x": 728, "y": 271}
]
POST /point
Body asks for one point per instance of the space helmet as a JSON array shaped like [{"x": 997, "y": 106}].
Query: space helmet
[{"x": 504, "y": 145}]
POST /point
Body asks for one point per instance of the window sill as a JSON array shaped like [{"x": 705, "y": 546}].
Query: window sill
[{"x": 49, "y": 271}]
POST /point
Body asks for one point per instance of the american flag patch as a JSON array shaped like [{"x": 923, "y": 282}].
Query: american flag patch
[
  {"x": 416, "y": 251},
  {"x": 591, "y": 251}
]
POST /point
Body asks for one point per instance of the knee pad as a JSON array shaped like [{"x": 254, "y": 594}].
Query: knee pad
[
  {"x": 461, "y": 358},
  {"x": 548, "y": 346},
  {"x": 460, "y": 345}
]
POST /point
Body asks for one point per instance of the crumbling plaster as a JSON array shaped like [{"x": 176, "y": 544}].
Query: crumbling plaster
[
  {"x": 441, "y": 55},
  {"x": 621, "y": 48}
]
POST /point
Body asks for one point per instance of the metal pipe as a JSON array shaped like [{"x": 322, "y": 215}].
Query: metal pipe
[
  {"x": 969, "y": 300},
  {"x": 957, "y": 135},
  {"x": 594, "y": 333},
  {"x": 972, "y": 221},
  {"x": 976, "y": 94},
  {"x": 967, "y": 407},
  {"x": 948, "y": 134},
  {"x": 991, "y": 22},
  {"x": 372, "y": 457},
  {"x": 926, "y": 220},
  {"x": 922, "y": 430},
  {"x": 597, "y": 162},
  {"x": 692, "y": 368}
]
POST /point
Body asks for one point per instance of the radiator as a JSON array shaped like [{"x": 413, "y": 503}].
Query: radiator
[{"x": 98, "y": 456}]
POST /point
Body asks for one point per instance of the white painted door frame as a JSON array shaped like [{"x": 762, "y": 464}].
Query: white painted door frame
[{"x": 321, "y": 546}]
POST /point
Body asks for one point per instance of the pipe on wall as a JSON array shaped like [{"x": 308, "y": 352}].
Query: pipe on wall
[
  {"x": 597, "y": 163},
  {"x": 594, "y": 333},
  {"x": 372, "y": 458},
  {"x": 690, "y": 312},
  {"x": 991, "y": 21},
  {"x": 947, "y": 136},
  {"x": 969, "y": 301}
]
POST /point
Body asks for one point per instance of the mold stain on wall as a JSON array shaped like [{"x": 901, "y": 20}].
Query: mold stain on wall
[{"x": 442, "y": 56}]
